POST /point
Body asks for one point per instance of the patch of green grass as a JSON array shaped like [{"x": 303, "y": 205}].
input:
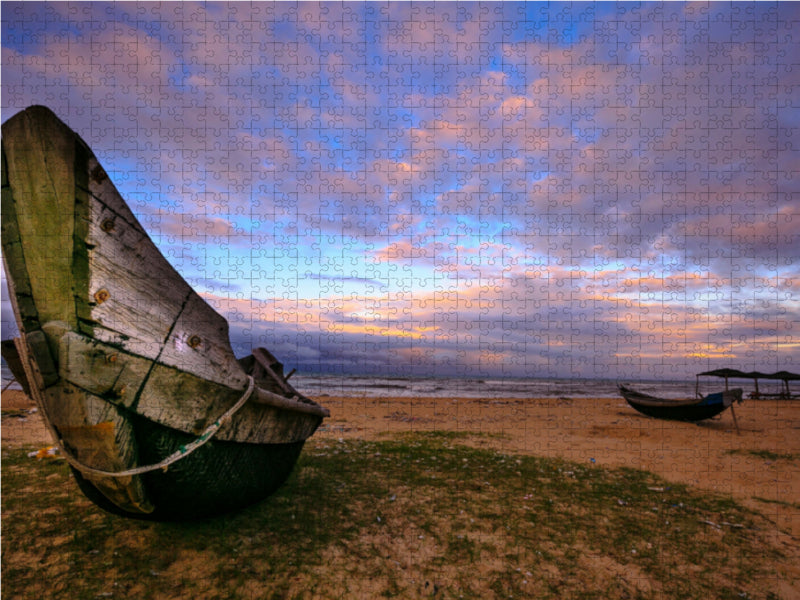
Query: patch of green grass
[
  {"x": 15, "y": 412},
  {"x": 765, "y": 454},
  {"x": 422, "y": 515},
  {"x": 794, "y": 505}
]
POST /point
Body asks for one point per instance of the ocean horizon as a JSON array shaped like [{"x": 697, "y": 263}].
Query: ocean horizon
[{"x": 377, "y": 386}]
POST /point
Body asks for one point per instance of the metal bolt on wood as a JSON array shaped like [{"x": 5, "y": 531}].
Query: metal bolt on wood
[{"x": 99, "y": 174}]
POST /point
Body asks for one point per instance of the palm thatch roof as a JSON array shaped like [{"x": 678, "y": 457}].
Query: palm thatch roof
[{"x": 734, "y": 373}]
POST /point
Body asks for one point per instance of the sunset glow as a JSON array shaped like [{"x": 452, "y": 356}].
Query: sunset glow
[{"x": 489, "y": 189}]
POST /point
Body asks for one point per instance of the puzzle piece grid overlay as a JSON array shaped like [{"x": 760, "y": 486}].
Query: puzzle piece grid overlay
[
  {"x": 475, "y": 191},
  {"x": 427, "y": 189}
]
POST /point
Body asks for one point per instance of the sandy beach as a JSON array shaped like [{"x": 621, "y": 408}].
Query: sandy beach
[
  {"x": 759, "y": 465},
  {"x": 710, "y": 455}
]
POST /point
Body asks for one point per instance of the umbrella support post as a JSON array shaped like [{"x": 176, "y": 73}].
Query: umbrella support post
[{"x": 736, "y": 424}]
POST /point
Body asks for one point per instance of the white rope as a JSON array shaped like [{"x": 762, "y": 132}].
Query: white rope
[{"x": 182, "y": 452}]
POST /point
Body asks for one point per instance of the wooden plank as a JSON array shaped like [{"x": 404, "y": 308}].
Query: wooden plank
[
  {"x": 102, "y": 370},
  {"x": 198, "y": 344},
  {"x": 71, "y": 414},
  {"x": 40, "y": 353},
  {"x": 3, "y": 170},
  {"x": 273, "y": 372},
  {"x": 136, "y": 295},
  {"x": 40, "y": 157},
  {"x": 14, "y": 261},
  {"x": 101, "y": 187},
  {"x": 149, "y": 309},
  {"x": 171, "y": 396},
  {"x": 267, "y": 378},
  {"x": 98, "y": 436},
  {"x": 177, "y": 399},
  {"x": 80, "y": 252}
]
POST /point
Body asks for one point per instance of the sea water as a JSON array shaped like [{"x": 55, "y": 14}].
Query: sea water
[
  {"x": 490, "y": 387},
  {"x": 319, "y": 386}
]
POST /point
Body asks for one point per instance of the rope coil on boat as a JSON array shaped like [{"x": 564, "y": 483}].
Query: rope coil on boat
[{"x": 182, "y": 452}]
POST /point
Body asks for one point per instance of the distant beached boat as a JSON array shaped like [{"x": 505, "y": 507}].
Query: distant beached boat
[
  {"x": 132, "y": 370},
  {"x": 681, "y": 410}
]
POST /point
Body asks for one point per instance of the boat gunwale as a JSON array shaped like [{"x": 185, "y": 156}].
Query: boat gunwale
[{"x": 267, "y": 398}]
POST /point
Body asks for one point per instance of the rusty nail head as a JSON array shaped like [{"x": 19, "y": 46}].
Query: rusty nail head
[
  {"x": 101, "y": 295},
  {"x": 98, "y": 174},
  {"x": 194, "y": 341},
  {"x": 107, "y": 225}
]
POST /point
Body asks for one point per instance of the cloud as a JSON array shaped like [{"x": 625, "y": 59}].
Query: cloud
[{"x": 612, "y": 177}]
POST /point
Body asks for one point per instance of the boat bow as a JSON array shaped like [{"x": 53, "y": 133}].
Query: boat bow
[{"x": 125, "y": 359}]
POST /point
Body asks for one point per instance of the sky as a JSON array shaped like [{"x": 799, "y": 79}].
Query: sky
[{"x": 458, "y": 189}]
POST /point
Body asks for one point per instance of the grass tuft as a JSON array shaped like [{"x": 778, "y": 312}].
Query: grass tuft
[
  {"x": 765, "y": 454},
  {"x": 422, "y": 515}
]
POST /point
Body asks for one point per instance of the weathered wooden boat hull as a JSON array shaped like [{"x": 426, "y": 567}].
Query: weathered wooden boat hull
[
  {"x": 218, "y": 478},
  {"x": 681, "y": 410},
  {"x": 125, "y": 360}
]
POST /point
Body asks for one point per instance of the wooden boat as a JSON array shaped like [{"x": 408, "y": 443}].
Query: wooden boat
[
  {"x": 132, "y": 370},
  {"x": 681, "y": 410}
]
